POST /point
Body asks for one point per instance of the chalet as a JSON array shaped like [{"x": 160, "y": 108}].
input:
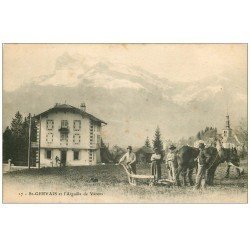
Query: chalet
[
  {"x": 68, "y": 134},
  {"x": 144, "y": 154}
]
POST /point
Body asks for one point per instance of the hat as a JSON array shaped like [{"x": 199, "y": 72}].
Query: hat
[
  {"x": 172, "y": 146},
  {"x": 201, "y": 145},
  {"x": 129, "y": 147}
]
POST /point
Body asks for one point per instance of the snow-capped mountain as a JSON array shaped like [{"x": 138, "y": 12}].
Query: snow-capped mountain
[
  {"x": 73, "y": 70},
  {"x": 130, "y": 99}
]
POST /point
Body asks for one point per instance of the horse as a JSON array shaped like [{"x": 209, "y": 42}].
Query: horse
[
  {"x": 186, "y": 156},
  {"x": 212, "y": 165},
  {"x": 231, "y": 158}
]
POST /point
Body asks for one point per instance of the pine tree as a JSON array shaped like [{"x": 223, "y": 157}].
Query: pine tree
[
  {"x": 202, "y": 133},
  {"x": 147, "y": 143},
  {"x": 16, "y": 140},
  {"x": 198, "y": 136},
  {"x": 17, "y": 132},
  {"x": 7, "y": 144},
  {"x": 17, "y": 125},
  {"x": 157, "y": 142}
]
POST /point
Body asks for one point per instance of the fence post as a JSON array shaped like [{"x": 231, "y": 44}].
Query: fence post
[
  {"x": 9, "y": 164},
  {"x": 29, "y": 140}
]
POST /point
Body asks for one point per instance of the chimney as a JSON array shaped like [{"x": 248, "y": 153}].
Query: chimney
[{"x": 83, "y": 106}]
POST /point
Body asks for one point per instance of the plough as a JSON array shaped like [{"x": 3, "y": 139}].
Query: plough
[{"x": 133, "y": 177}]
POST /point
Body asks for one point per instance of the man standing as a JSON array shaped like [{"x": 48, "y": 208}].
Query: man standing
[
  {"x": 130, "y": 159},
  {"x": 156, "y": 164},
  {"x": 203, "y": 160},
  {"x": 57, "y": 161},
  {"x": 172, "y": 163}
]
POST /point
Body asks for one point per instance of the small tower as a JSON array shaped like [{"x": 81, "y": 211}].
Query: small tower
[{"x": 227, "y": 131}]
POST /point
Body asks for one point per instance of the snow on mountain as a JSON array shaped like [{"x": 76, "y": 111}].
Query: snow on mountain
[
  {"x": 73, "y": 70},
  {"x": 197, "y": 93},
  {"x": 130, "y": 98}
]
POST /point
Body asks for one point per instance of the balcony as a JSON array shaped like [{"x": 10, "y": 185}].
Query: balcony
[{"x": 64, "y": 130}]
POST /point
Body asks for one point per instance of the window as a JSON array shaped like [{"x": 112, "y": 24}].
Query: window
[
  {"x": 77, "y": 125},
  {"x": 76, "y": 155},
  {"x": 50, "y": 124},
  {"x": 76, "y": 138},
  {"x": 90, "y": 155},
  {"x": 49, "y": 138},
  {"x": 48, "y": 154},
  {"x": 64, "y": 137},
  {"x": 64, "y": 124}
]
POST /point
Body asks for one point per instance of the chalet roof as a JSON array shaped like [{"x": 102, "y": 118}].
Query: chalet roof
[
  {"x": 145, "y": 150},
  {"x": 69, "y": 108}
]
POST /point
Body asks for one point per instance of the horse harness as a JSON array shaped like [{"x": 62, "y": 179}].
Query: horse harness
[{"x": 213, "y": 161}]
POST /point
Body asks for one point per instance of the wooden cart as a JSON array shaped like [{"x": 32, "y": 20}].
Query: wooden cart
[{"x": 152, "y": 182}]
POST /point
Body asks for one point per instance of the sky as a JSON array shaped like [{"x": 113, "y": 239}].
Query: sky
[
  {"x": 197, "y": 66},
  {"x": 176, "y": 62}
]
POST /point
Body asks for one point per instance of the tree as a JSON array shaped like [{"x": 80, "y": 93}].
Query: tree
[
  {"x": 102, "y": 144},
  {"x": 157, "y": 142},
  {"x": 17, "y": 125},
  {"x": 147, "y": 143},
  {"x": 16, "y": 140},
  {"x": 198, "y": 136},
  {"x": 117, "y": 152},
  {"x": 243, "y": 130},
  {"x": 7, "y": 144},
  {"x": 106, "y": 156}
]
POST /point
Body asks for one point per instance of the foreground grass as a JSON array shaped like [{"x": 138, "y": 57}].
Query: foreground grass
[{"x": 109, "y": 184}]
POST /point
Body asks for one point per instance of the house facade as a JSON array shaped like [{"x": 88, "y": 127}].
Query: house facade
[{"x": 68, "y": 136}]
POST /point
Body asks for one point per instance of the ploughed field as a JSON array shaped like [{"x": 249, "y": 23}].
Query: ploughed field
[{"x": 109, "y": 184}]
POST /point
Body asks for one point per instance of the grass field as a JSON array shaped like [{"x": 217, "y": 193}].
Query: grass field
[{"x": 109, "y": 184}]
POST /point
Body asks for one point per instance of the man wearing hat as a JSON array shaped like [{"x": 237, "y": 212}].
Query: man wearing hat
[
  {"x": 203, "y": 160},
  {"x": 130, "y": 159},
  {"x": 172, "y": 163},
  {"x": 156, "y": 164}
]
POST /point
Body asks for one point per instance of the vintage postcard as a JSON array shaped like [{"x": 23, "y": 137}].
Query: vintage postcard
[{"x": 125, "y": 123}]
